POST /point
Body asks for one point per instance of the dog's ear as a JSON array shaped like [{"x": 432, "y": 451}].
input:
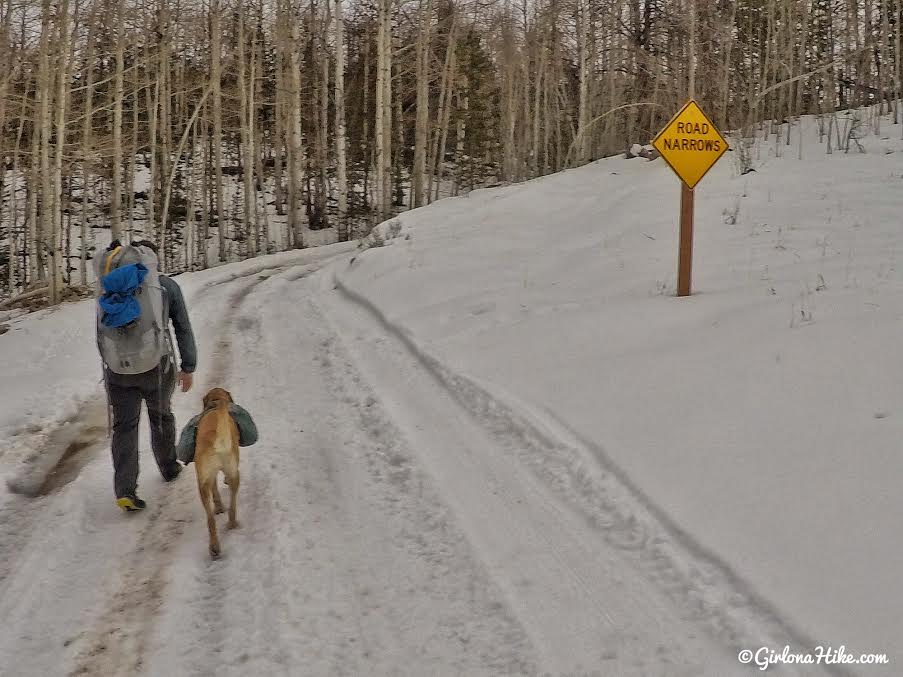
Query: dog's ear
[
  {"x": 229, "y": 395},
  {"x": 206, "y": 400}
]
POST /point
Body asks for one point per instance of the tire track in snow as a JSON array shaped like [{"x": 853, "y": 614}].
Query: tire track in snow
[
  {"x": 202, "y": 595},
  {"x": 698, "y": 588},
  {"x": 345, "y": 564}
]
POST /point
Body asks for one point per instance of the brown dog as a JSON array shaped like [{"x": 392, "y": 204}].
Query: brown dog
[{"x": 216, "y": 449}]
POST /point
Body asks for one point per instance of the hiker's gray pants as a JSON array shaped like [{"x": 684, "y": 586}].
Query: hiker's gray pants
[{"x": 126, "y": 392}]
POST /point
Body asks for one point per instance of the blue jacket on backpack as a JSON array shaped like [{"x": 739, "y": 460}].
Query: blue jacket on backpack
[{"x": 119, "y": 303}]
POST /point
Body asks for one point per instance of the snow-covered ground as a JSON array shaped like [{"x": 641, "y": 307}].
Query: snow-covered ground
[
  {"x": 499, "y": 445},
  {"x": 762, "y": 415}
]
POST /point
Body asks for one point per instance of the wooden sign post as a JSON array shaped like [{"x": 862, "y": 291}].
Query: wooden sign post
[
  {"x": 691, "y": 145},
  {"x": 685, "y": 253}
]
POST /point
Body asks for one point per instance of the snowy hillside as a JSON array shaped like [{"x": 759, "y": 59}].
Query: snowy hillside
[
  {"x": 762, "y": 415},
  {"x": 493, "y": 442}
]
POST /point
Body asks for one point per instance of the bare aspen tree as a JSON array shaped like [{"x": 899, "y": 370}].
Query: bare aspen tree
[
  {"x": 165, "y": 103},
  {"x": 260, "y": 215},
  {"x": 584, "y": 60},
  {"x": 383, "y": 122},
  {"x": 884, "y": 9},
  {"x": 35, "y": 270},
  {"x": 14, "y": 245},
  {"x": 62, "y": 77},
  {"x": 340, "y": 129},
  {"x": 216, "y": 79},
  {"x": 247, "y": 160},
  {"x": 206, "y": 191},
  {"x": 252, "y": 149},
  {"x": 5, "y": 78},
  {"x": 296, "y": 151},
  {"x": 278, "y": 142},
  {"x": 191, "y": 232},
  {"x": 460, "y": 130},
  {"x": 323, "y": 187},
  {"x": 446, "y": 88},
  {"x": 152, "y": 98},
  {"x": 898, "y": 58},
  {"x": 364, "y": 145},
  {"x": 421, "y": 132},
  {"x": 44, "y": 125},
  {"x": 538, "y": 86},
  {"x": 118, "y": 89}
]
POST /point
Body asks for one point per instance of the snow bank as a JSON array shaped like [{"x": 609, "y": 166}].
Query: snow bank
[{"x": 761, "y": 414}]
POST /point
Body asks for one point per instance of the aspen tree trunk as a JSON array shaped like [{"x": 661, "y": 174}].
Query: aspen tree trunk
[
  {"x": 206, "y": 192},
  {"x": 14, "y": 206},
  {"x": 191, "y": 234},
  {"x": 884, "y": 9},
  {"x": 322, "y": 193},
  {"x": 133, "y": 159},
  {"x": 340, "y": 131},
  {"x": 538, "y": 85},
  {"x": 396, "y": 158},
  {"x": 437, "y": 154},
  {"x": 509, "y": 171},
  {"x": 45, "y": 124},
  {"x": 460, "y": 133},
  {"x": 804, "y": 39},
  {"x": 151, "y": 201},
  {"x": 365, "y": 147},
  {"x": 260, "y": 215},
  {"x": 726, "y": 86},
  {"x": 583, "y": 111},
  {"x": 116, "y": 198},
  {"x": 264, "y": 244},
  {"x": 166, "y": 181},
  {"x": 792, "y": 34},
  {"x": 296, "y": 151},
  {"x": 11, "y": 229},
  {"x": 421, "y": 132},
  {"x": 279, "y": 115},
  {"x": 610, "y": 49},
  {"x": 252, "y": 151},
  {"x": 216, "y": 78},
  {"x": 898, "y": 43},
  {"x": 11, "y": 187},
  {"x": 382, "y": 128},
  {"x": 166, "y": 130},
  {"x": 62, "y": 76},
  {"x": 387, "y": 104},
  {"x": 6, "y": 77},
  {"x": 35, "y": 270},
  {"x": 247, "y": 159}
]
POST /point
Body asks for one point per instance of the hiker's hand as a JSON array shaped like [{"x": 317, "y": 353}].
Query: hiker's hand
[{"x": 185, "y": 380}]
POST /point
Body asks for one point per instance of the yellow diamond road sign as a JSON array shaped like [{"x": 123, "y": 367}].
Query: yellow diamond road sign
[{"x": 690, "y": 144}]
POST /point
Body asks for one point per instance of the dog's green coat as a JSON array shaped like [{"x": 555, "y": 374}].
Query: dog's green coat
[{"x": 247, "y": 432}]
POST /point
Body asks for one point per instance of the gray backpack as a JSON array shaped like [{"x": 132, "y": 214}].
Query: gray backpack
[{"x": 142, "y": 344}]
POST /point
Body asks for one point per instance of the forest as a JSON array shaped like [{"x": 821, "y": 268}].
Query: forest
[{"x": 227, "y": 129}]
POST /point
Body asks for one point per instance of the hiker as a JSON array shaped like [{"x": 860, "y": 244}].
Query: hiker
[{"x": 135, "y": 307}]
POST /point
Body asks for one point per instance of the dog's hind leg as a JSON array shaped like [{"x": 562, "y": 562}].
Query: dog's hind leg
[
  {"x": 233, "y": 488},
  {"x": 217, "y": 501},
  {"x": 207, "y": 501}
]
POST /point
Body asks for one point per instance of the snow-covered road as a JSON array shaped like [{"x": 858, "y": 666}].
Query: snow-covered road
[{"x": 397, "y": 519}]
